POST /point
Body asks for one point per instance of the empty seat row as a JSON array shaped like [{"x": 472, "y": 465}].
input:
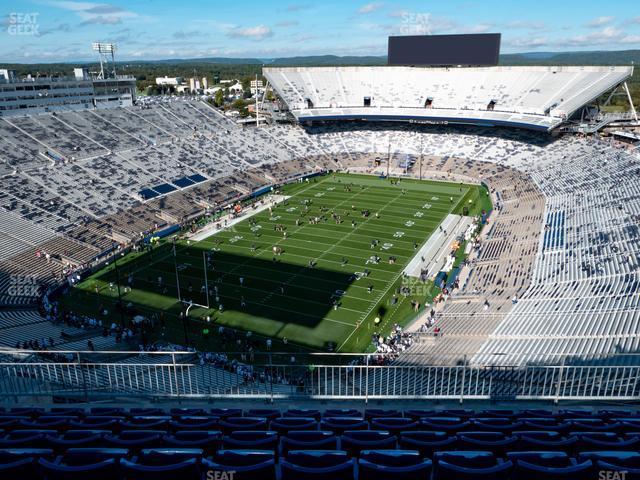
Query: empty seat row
[
  {"x": 396, "y": 425},
  {"x": 351, "y": 441},
  {"x": 368, "y": 414},
  {"x": 192, "y": 464}
]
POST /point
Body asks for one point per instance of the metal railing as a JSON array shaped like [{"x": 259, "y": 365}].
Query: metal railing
[{"x": 180, "y": 375}]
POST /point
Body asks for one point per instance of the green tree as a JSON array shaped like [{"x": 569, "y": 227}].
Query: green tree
[{"x": 219, "y": 98}]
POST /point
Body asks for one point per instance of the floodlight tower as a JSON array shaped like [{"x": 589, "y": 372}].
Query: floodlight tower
[{"x": 106, "y": 50}]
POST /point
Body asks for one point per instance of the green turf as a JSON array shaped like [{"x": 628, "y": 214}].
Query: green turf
[{"x": 409, "y": 213}]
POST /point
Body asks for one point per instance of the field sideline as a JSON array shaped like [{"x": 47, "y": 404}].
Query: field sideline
[{"x": 280, "y": 296}]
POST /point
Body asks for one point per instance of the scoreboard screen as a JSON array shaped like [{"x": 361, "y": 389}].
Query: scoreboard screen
[{"x": 482, "y": 49}]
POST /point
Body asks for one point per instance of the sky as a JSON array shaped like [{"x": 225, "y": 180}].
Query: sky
[{"x": 62, "y": 31}]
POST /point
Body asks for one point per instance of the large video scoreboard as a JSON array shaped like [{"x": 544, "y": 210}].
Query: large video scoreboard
[{"x": 482, "y": 49}]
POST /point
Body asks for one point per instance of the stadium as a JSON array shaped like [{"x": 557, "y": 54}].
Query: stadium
[{"x": 400, "y": 271}]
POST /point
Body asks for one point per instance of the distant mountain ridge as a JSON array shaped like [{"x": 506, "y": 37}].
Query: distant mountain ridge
[{"x": 619, "y": 57}]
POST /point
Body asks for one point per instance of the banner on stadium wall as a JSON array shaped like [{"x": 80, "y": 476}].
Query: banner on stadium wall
[{"x": 162, "y": 233}]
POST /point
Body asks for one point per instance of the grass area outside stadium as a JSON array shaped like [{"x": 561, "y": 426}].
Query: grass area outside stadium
[{"x": 331, "y": 305}]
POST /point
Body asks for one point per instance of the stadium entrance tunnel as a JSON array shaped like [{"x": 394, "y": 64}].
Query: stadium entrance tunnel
[{"x": 262, "y": 292}]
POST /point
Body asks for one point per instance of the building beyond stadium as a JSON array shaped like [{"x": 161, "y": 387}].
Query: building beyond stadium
[{"x": 28, "y": 95}]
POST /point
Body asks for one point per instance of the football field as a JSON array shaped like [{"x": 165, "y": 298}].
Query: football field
[{"x": 315, "y": 269}]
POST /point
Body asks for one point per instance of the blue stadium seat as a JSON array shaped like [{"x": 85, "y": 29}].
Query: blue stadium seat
[
  {"x": 73, "y": 411},
  {"x": 622, "y": 458},
  {"x": 417, "y": 414},
  {"x": 108, "y": 411},
  {"x": 194, "y": 423},
  {"x": 589, "y": 441},
  {"x": 317, "y": 465},
  {"x": 393, "y": 465},
  {"x": 394, "y": 425},
  {"x": 147, "y": 412},
  {"x": 234, "y": 424},
  {"x": 27, "y": 411},
  {"x": 146, "y": 423},
  {"x": 136, "y": 440},
  {"x": 628, "y": 425},
  {"x": 185, "y": 470},
  {"x": 10, "y": 422},
  {"x": 462, "y": 413},
  {"x": 496, "y": 424},
  {"x": 524, "y": 470},
  {"x": 568, "y": 414},
  {"x": 209, "y": 441},
  {"x": 104, "y": 470},
  {"x": 593, "y": 425},
  {"x": 541, "y": 458},
  {"x": 470, "y": 466},
  {"x": 98, "y": 422},
  {"x": 494, "y": 442},
  {"x": 26, "y": 438},
  {"x": 381, "y": 413},
  {"x": 77, "y": 439},
  {"x": 247, "y": 464},
  {"x": 21, "y": 463},
  {"x": 43, "y": 422},
  {"x": 618, "y": 414},
  {"x": 269, "y": 413},
  {"x": 306, "y": 413},
  {"x": 535, "y": 413},
  {"x": 340, "y": 424},
  {"x": 188, "y": 412},
  {"x": 168, "y": 456},
  {"x": 8, "y": 455},
  {"x": 544, "y": 440},
  {"x": 475, "y": 459},
  {"x": 342, "y": 412},
  {"x": 226, "y": 412},
  {"x": 308, "y": 440},
  {"x": 497, "y": 413},
  {"x": 86, "y": 456},
  {"x": 446, "y": 424},
  {"x": 543, "y": 423},
  {"x": 283, "y": 425},
  {"x": 251, "y": 439},
  {"x": 427, "y": 442},
  {"x": 354, "y": 441}
]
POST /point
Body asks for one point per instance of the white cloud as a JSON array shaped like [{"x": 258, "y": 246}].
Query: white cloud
[
  {"x": 528, "y": 42},
  {"x": 606, "y": 37},
  {"x": 599, "y": 22},
  {"x": 479, "y": 28},
  {"x": 526, "y": 25},
  {"x": 259, "y": 32},
  {"x": 628, "y": 39},
  {"x": 287, "y": 23},
  {"x": 370, "y": 7},
  {"x": 96, "y": 13}
]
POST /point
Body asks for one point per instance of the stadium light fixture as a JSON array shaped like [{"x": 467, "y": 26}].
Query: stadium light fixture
[{"x": 104, "y": 51}]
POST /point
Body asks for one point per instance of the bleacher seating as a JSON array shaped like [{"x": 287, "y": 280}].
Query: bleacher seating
[
  {"x": 534, "y": 97},
  {"x": 45, "y": 444}
]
